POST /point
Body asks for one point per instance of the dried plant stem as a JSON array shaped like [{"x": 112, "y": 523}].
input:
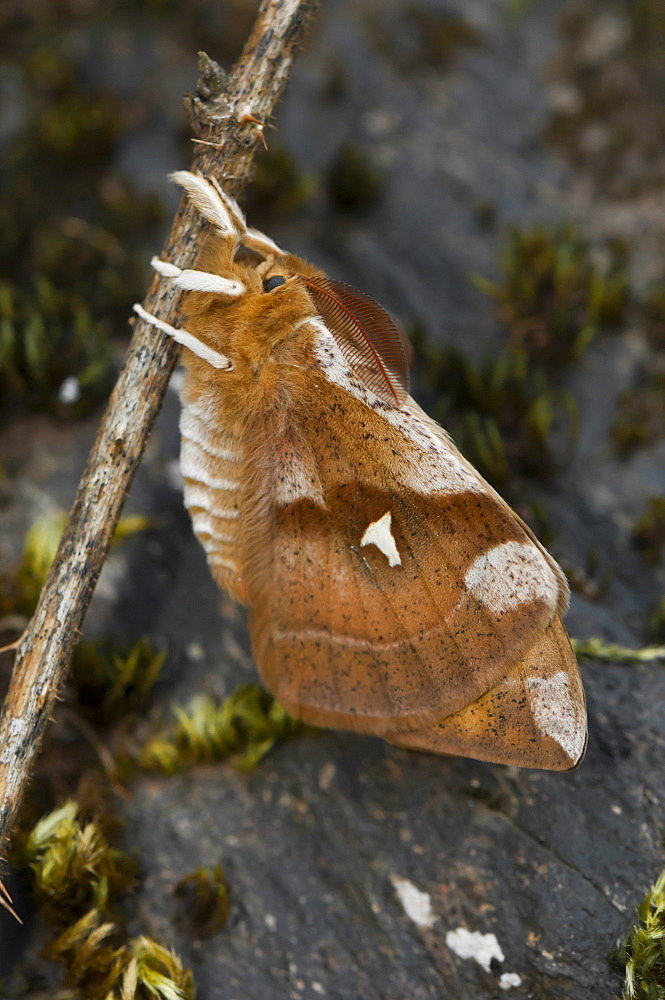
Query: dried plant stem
[{"x": 221, "y": 113}]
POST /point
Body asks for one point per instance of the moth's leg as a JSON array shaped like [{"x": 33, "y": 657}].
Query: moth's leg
[
  {"x": 197, "y": 281},
  {"x": 188, "y": 340}
]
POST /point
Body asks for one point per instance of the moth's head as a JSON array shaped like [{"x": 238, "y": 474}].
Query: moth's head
[
  {"x": 245, "y": 294},
  {"x": 248, "y": 326}
]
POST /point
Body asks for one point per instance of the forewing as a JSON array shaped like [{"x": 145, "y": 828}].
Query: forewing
[
  {"x": 370, "y": 340},
  {"x": 345, "y": 635}
]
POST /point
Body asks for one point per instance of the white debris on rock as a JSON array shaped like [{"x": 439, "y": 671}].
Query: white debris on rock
[
  {"x": 472, "y": 944},
  {"x": 509, "y": 979},
  {"x": 69, "y": 391},
  {"x": 417, "y": 905}
]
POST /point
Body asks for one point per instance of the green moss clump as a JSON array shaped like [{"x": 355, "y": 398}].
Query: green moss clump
[
  {"x": 649, "y": 532},
  {"x": 354, "y": 182},
  {"x": 112, "y": 681},
  {"x": 77, "y": 875},
  {"x": 47, "y": 336},
  {"x": 640, "y": 955},
  {"x": 640, "y": 416},
  {"x": 612, "y": 120},
  {"x": 507, "y": 411},
  {"x": 245, "y": 726},
  {"x": 502, "y": 412},
  {"x": 99, "y": 966},
  {"x": 553, "y": 299},
  {"x": 73, "y": 865},
  {"x": 72, "y": 254},
  {"x": 204, "y": 898}
]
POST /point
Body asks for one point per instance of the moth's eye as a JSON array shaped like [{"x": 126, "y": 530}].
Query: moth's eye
[{"x": 273, "y": 282}]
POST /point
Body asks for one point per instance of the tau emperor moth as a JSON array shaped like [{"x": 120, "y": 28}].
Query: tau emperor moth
[{"x": 391, "y": 590}]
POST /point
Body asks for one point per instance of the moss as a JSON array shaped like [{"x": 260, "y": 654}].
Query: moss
[
  {"x": 506, "y": 411},
  {"x": 73, "y": 865},
  {"x": 640, "y": 416},
  {"x": 77, "y": 877},
  {"x": 502, "y": 411},
  {"x": 640, "y": 955},
  {"x": 354, "y": 182},
  {"x": 649, "y": 532},
  {"x": 72, "y": 254},
  {"x": 100, "y": 966},
  {"x": 553, "y": 299},
  {"x": 47, "y": 336},
  {"x": 113, "y": 681},
  {"x": 245, "y": 726},
  {"x": 612, "y": 124},
  {"x": 204, "y": 901},
  {"x": 596, "y": 649}
]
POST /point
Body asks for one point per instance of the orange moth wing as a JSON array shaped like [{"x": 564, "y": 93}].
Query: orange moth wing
[
  {"x": 391, "y": 590},
  {"x": 368, "y": 337}
]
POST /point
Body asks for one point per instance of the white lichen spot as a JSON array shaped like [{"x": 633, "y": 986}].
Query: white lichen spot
[
  {"x": 555, "y": 713},
  {"x": 417, "y": 905},
  {"x": 69, "y": 391},
  {"x": 482, "y": 948},
  {"x": 270, "y": 921},
  {"x": 508, "y": 980},
  {"x": 378, "y": 533}
]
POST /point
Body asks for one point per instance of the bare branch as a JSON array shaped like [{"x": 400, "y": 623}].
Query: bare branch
[{"x": 220, "y": 114}]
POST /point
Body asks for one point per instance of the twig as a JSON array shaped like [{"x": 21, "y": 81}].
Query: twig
[{"x": 220, "y": 113}]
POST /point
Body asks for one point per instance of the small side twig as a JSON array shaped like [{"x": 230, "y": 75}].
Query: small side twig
[{"x": 221, "y": 113}]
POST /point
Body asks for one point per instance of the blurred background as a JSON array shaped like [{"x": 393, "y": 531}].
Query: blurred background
[{"x": 493, "y": 172}]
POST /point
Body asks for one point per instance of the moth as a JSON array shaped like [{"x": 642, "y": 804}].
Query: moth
[{"x": 391, "y": 590}]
